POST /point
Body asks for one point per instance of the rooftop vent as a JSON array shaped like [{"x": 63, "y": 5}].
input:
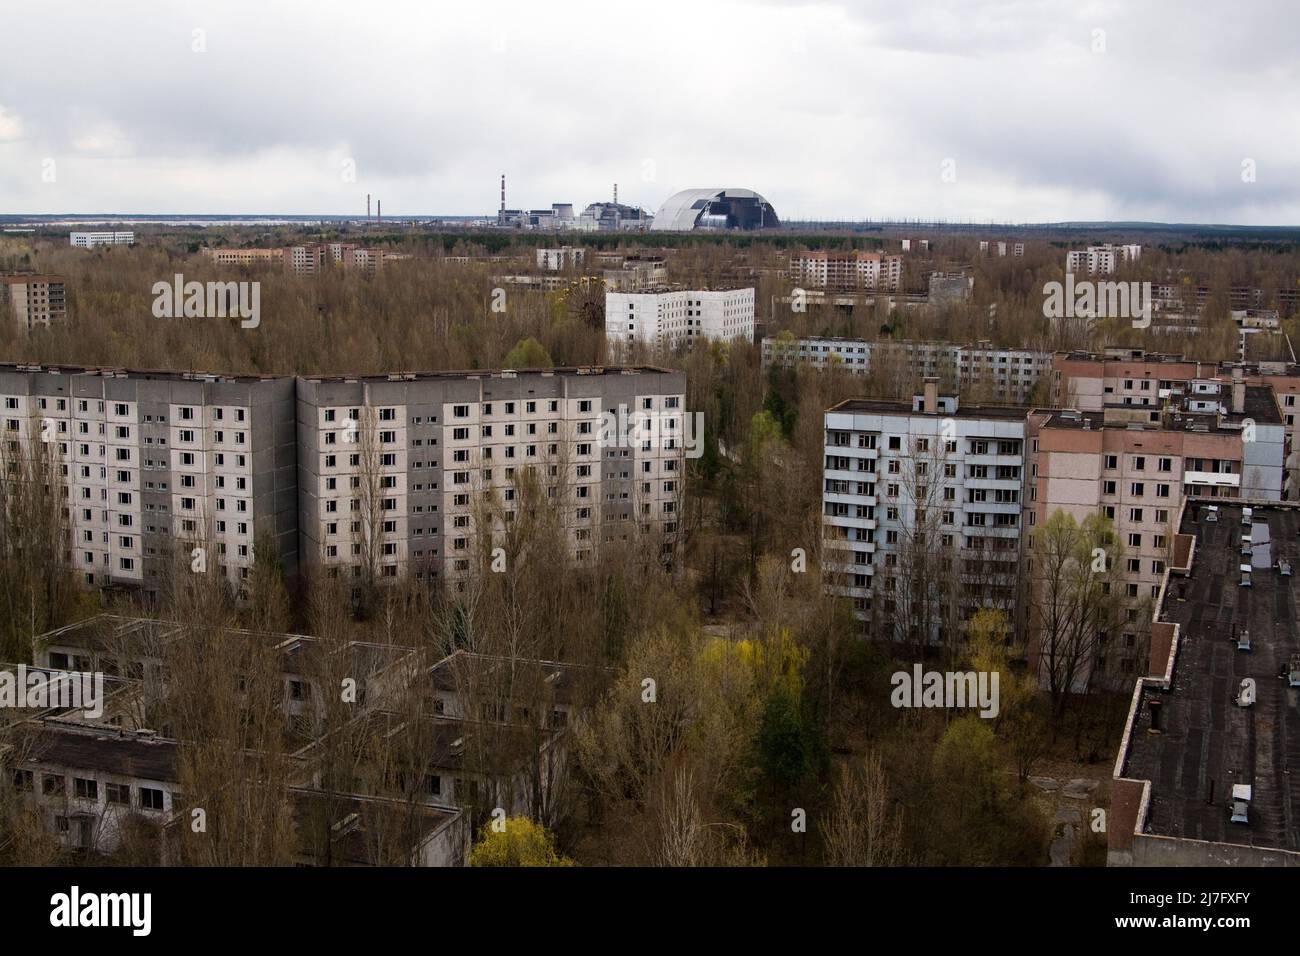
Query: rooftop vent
[{"x": 1240, "y": 802}]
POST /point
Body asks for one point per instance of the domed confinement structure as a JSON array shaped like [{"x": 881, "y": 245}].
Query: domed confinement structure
[{"x": 715, "y": 209}]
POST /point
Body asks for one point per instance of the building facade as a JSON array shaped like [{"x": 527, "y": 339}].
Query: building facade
[
  {"x": 153, "y": 463},
  {"x": 669, "y": 318},
  {"x": 399, "y": 475},
  {"x": 1100, "y": 260},
  {"x": 847, "y": 270},
  {"x": 85, "y": 240},
  {"x": 1090, "y": 382},
  {"x": 1011, "y": 374},
  {"x": 33, "y": 301},
  {"x": 922, "y": 506}
]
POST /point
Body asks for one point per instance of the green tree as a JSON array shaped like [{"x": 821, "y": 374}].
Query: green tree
[
  {"x": 528, "y": 353},
  {"x": 520, "y": 843}
]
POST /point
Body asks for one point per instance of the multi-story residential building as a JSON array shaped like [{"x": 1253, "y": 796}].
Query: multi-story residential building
[
  {"x": 309, "y": 259},
  {"x": 155, "y": 460},
  {"x": 1010, "y": 374},
  {"x": 381, "y": 476},
  {"x": 1002, "y": 248},
  {"x": 33, "y": 301},
  {"x": 1100, "y": 260},
  {"x": 847, "y": 270},
  {"x": 398, "y": 473},
  {"x": 1090, "y": 381},
  {"x": 1136, "y": 465},
  {"x": 85, "y": 240},
  {"x": 561, "y": 258},
  {"x": 922, "y": 511},
  {"x": 244, "y": 257},
  {"x": 668, "y": 318}
]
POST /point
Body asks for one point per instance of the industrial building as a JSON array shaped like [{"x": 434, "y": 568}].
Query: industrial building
[{"x": 715, "y": 209}]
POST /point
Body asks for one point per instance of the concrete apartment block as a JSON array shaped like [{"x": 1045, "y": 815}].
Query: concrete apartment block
[
  {"x": 668, "y": 318},
  {"x": 154, "y": 461},
  {"x": 932, "y": 474},
  {"x": 33, "y": 301},
  {"x": 1011, "y": 374},
  {"x": 400, "y": 469}
]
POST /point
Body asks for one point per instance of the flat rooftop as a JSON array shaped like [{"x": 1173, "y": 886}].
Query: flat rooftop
[
  {"x": 112, "y": 635},
  {"x": 98, "y": 750},
  {"x": 137, "y": 374},
  {"x": 199, "y": 376},
  {"x": 1260, "y": 406},
  {"x": 1207, "y": 742},
  {"x": 884, "y": 406},
  {"x": 496, "y": 373}
]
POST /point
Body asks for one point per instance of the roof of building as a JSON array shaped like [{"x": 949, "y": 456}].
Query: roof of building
[
  {"x": 1207, "y": 743},
  {"x": 97, "y": 750},
  {"x": 19, "y": 278},
  {"x": 904, "y": 407},
  {"x": 356, "y": 830},
  {"x": 1260, "y": 407}
]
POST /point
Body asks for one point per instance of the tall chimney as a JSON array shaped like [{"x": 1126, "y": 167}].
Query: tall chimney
[
  {"x": 367, "y": 209},
  {"x": 616, "y": 194},
  {"x": 379, "y": 211},
  {"x": 930, "y": 402},
  {"x": 1238, "y": 392},
  {"x": 503, "y": 192}
]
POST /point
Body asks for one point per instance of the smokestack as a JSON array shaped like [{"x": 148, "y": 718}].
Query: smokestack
[
  {"x": 367, "y": 209},
  {"x": 1238, "y": 392},
  {"x": 503, "y": 192},
  {"x": 379, "y": 211},
  {"x": 930, "y": 402},
  {"x": 616, "y": 194}
]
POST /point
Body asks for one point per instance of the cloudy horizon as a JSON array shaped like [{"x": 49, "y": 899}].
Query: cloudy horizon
[{"x": 1020, "y": 111}]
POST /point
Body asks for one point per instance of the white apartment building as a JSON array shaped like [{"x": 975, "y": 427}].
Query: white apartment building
[
  {"x": 1100, "y": 260},
  {"x": 927, "y": 495},
  {"x": 846, "y": 270},
  {"x": 397, "y": 473},
  {"x": 154, "y": 463},
  {"x": 1010, "y": 373},
  {"x": 1001, "y": 248},
  {"x": 667, "y": 319},
  {"x": 85, "y": 240}
]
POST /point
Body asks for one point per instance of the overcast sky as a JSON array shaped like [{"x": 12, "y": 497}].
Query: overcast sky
[{"x": 1013, "y": 111}]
